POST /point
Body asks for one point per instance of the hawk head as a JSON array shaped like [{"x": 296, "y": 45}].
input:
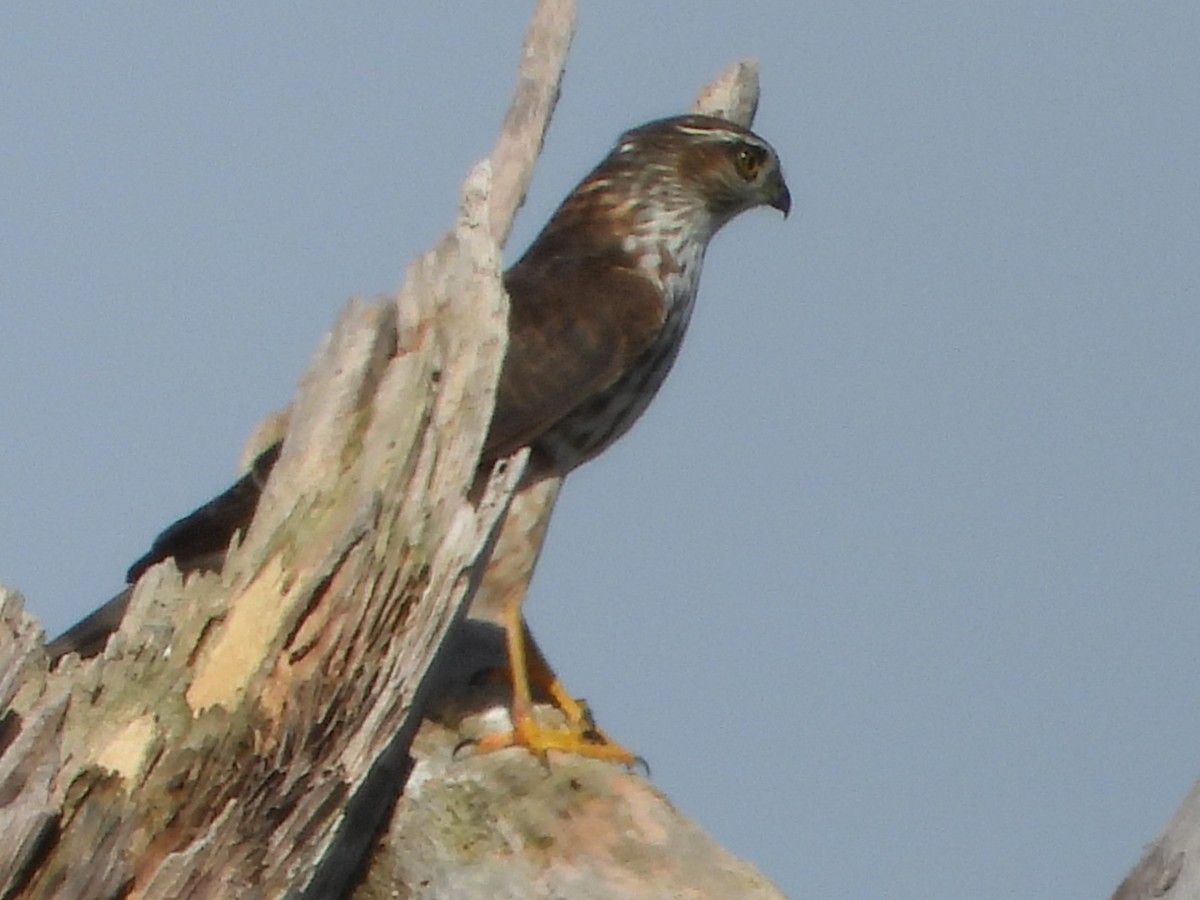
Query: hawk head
[
  {"x": 654, "y": 202},
  {"x": 712, "y": 168}
]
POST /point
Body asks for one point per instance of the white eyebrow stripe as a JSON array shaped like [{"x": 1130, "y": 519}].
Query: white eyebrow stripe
[
  {"x": 718, "y": 133},
  {"x": 704, "y": 131}
]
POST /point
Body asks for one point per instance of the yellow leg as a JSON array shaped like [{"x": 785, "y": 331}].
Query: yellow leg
[
  {"x": 541, "y": 676},
  {"x": 526, "y": 665}
]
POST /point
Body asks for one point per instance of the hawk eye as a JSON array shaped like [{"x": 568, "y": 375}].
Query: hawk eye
[{"x": 748, "y": 161}]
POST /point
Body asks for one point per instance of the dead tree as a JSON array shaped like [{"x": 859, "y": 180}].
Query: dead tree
[
  {"x": 292, "y": 725},
  {"x": 1169, "y": 867}
]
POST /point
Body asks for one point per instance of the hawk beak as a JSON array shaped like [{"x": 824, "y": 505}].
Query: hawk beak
[{"x": 778, "y": 195}]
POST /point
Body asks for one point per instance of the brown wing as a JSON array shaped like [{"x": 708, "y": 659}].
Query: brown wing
[
  {"x": 88, "y": 636},
  {"x": 198, "y": 540},
  {"x": 575, "y": 326},
  {"x": 203, "y": 535}
]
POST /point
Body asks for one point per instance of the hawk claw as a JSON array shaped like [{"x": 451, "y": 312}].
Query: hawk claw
[{"x": 540, "y": 740}]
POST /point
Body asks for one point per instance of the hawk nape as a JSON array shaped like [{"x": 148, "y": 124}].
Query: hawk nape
[{"x": 598, "y": 307}]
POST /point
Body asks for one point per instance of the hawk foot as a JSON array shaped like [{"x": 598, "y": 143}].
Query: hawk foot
[
  {"x": 579, "y": 734},
  {"x": 549, "y": 690},
  {"x": 540, "y": 739}
]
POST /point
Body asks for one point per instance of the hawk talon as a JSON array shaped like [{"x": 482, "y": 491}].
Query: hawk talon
[
  {"x": 465, "y": 742},
  {"x": 586, "y": 720},
  {"x": 540, "y": 741}
]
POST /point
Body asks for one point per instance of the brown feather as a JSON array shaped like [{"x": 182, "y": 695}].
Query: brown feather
[
  {"x": 575, "y": 327},
  {"x": 599, "y": 305}
]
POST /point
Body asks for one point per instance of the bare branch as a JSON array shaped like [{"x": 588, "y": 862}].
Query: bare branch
[
  {"x": 732, "y": 95},
  {"x": 1168, "y": 867},
  {"x": 539, "y": 81}
]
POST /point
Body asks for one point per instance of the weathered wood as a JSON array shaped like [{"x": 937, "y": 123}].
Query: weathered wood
[
  {"x": 247, "y": 732},
  {"x": 1168, "y": 868},
  {"x": 505, "y": 827},
  {"x": 221, "y": 740}
]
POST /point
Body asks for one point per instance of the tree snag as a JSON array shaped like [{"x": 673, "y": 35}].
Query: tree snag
[{"x": 292, "y": 724}]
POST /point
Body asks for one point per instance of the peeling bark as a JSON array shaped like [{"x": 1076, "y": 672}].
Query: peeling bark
[{"x": 293, "y": 724}]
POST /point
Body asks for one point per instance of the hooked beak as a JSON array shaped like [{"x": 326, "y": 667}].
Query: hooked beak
[{"x": 778, "y": 194}]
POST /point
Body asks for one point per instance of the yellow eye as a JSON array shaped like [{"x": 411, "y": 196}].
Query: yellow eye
[{"x": 748, "y": 161}]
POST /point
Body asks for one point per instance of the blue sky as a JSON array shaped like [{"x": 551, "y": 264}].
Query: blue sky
[{"x": 896, "y": 584}]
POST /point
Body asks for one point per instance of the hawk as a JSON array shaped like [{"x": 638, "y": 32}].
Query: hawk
[{"x": 599, "y": 304}]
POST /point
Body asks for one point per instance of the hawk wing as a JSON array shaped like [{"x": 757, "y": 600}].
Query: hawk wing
[
  {"x": 88, "y": 636},
  {"x": 206, "y": 532},
  {"x": 575, "y": 326}
]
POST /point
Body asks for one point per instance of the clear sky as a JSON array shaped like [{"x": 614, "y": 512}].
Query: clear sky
[{"x": 896, "y": 585}]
